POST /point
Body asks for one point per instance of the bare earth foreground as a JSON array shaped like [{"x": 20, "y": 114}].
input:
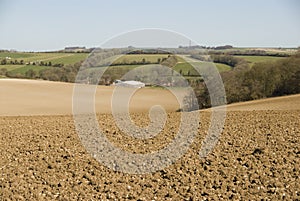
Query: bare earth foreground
[{"x": 42, "y": 158}]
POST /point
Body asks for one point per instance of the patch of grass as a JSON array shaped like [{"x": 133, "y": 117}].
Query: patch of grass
[
  {"x": 254, "y": 59},
  {"x": 187, "y": 69},
  {"x": 11, "y": 67},
  {"x": 130, "y": 58},
  {"x": 55, "y": 58},
  {"x": 184, "y": 69},
  {"x": 24, "y": 69},
  {"x": 15, "y": 55},
  {"x": 68, "y": 58},
  {"x": 120, "y": 70},
  {"x": 180, "y": 58},
  {"x": 26, "y": 57},
  {"x": 222, "y": 67},
  {"x": 115, "y": 72}
]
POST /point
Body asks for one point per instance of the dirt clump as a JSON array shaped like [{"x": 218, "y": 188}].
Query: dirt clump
[{"x": 257, "y": 157}]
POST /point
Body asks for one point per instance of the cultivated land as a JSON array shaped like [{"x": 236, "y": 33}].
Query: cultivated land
[
  {"x": 35, "y": 97},
  {"x": 42, "y": 158}
]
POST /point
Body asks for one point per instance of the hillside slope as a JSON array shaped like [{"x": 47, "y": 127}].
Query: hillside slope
[{"x": 290, "y": 102}]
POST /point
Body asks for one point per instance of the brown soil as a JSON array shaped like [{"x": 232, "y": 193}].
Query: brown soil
[
  {"x": 257, "y": 157},
  {"x": 278, "y": 103}
]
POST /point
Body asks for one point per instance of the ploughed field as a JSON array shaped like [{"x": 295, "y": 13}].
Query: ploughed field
[{"x": 256, "y": 157}]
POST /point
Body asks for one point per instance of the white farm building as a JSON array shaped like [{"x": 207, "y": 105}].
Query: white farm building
[{"x": 131, "y": 84}]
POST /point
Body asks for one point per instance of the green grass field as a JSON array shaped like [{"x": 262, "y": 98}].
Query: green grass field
[
  {"x": 118, "y": 70},
  {"x": 20, "y": 70},
  {"x": 130, "y": 58},
  {"x": 254, "y": 59},
  {"x": 71, "y": 58},
  {"x": 24, "y": 69},
  {"x": 187, "y": 69},
  {"x": 223, "y": 67},
  {"x": 55, "y": 58},
  {"x": 184, "y": 67},
  {"x": 15, "y": 55},
  {"x": 11, "y": 67},
  {"x": 68, "y": 59}
]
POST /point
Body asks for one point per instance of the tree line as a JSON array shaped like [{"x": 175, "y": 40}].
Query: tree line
[
  {"x": 64, "y": 74},
  {"x": 34, "y": 63},
  {"x": 262, "y": 80}
]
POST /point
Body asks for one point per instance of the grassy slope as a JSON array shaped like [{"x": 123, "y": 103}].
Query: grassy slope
[
  {"x": 15, "y": 55},
  {"x": 54, "y": 58},
  {"x": 186, "y": 67},
  {"x": 65, "y": 58},
  {"x": 28, "y": 57},
  {"x": 152, "y": 58},
  {"x": 117, "y": 71},
  {"x": 259, "y": 58},
  {"x": 256, "y": 59},
  {"x": 71, "y": 58},
  {"x": 11, "y": 67},
  {"x": 24, "y": 69},
  {"x": 223, "y": 67}
]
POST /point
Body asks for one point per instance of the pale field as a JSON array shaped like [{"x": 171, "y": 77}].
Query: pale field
[{"x": 34, "y": 97}]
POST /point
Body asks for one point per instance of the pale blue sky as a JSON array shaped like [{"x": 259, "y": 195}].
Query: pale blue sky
[{"x": 50, "y": 25}]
